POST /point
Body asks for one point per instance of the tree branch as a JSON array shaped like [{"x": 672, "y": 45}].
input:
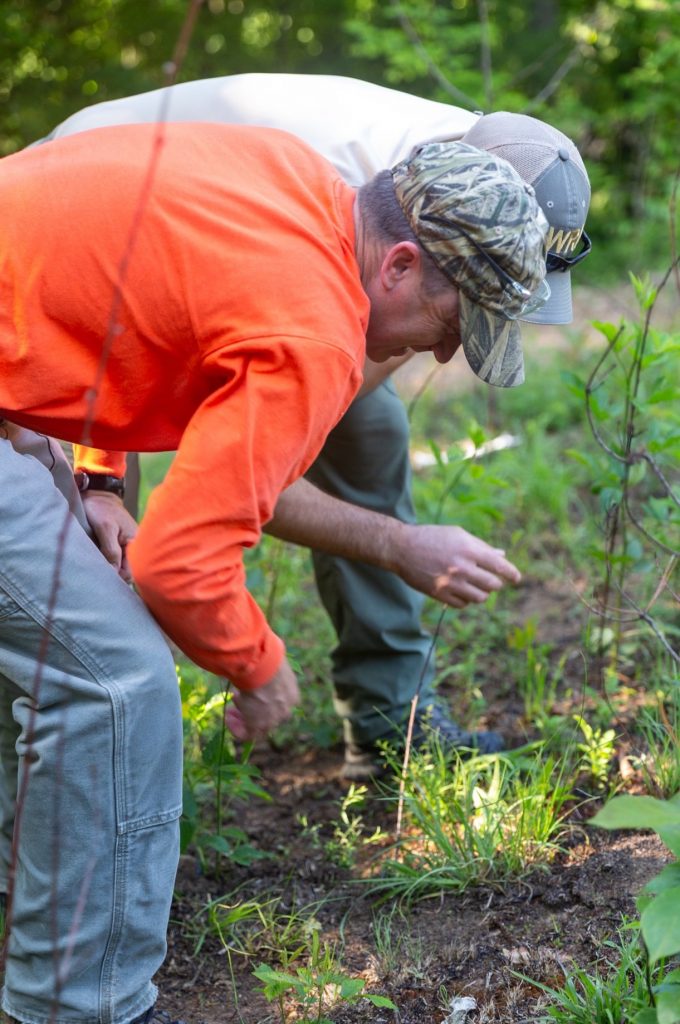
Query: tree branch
[
  {"x": 433, "y": 69},
  {"x": 552, "y": 84}
]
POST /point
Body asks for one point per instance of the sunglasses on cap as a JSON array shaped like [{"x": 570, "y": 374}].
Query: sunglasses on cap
[
  {"x": 554, "y": 261},
  {"x": 532, "y": 300}
]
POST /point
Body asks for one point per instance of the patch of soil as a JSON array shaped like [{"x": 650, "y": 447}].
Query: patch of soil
[
  {"x": 476, "y": 944},
  {"x": 484, "y": 943}
]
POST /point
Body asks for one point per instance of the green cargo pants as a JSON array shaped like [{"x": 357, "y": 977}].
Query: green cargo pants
[{"x": 382, "y": 648}]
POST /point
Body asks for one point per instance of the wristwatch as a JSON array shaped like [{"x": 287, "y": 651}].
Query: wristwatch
[{"x": 101, "y": 482}]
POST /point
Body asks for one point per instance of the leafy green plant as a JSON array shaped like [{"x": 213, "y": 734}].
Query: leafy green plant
[
  {"x": 659, "y": 902},
  {"x": 460, "y": 477},
  {"x": 349, "y": 833},
  {"x": 596, "y": 751},
  {"x": 316, "y": 987},
  {"x": 631, "y": 399},
  {"x": 617, "y": 990},
  {"x": 249, "y": 927},
  {"x": 215, "y": 778},
  {"x": 536, "y": 684},
  {"x": 485, "y": 820}
]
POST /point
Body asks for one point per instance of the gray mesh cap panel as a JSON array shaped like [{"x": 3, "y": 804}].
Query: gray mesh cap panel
[{"x": 548, "y": 160}]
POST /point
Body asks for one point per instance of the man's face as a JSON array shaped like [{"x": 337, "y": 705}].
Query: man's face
[{"x": 409, "y": 318}]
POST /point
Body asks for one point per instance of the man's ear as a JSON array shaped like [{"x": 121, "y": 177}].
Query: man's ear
[{"x": 399, "y": 262}]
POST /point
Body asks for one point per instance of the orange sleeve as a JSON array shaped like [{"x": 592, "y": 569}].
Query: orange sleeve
[
  {"x": 96, "y": 460},
  {"x": 252, "y": 437}
]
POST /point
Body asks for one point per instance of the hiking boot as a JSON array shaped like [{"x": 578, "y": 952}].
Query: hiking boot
[
  {"x": 365, "y": 761},
  {"x": 155, "y": 1016}
]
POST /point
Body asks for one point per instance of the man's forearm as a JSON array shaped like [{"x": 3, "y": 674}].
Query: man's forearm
[
  {"x": 307, "y": 516},
  {"x": 445, "y": 562}
]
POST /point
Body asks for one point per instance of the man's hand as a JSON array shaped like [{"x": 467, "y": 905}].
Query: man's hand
[
  {"x": 451, "y": 565},
  {"x": 254, "y": 714},
  {"x": 445, "y": 562},
  {"x": 113, "y": 528}
]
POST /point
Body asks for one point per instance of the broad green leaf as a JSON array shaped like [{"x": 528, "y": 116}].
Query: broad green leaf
[
  {"x": 380, "y": 1001},
  {"x": 646, "y": 1017},
  {"x": 665, "y": 394},
  {"x": 268, "y": 975},
  {"x": 637, "y": 812},
  {"x": 637, "y": 473},
  {"x": 668, "y": 878},
  {"x": 670, "y": 836},
  {"x": 217, "y": 843},
  {"x": 351, "y": 987},
  {"x": 437, "y": 452},
  {"x": 189, "y": 805},
  {"x": 609, "y": 330},
  {"x": 668, "y": 1004},
  {"x": 661, "y": 925},
  {"x": 187, "y": 830}
]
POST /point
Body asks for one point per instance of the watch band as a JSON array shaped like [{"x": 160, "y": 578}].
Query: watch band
[{"x": 101, "y": 482}]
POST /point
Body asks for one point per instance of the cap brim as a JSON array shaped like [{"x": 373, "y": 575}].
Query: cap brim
[
  {"x": 557, "y": 310},
  {"x": 491, "y": 344}
]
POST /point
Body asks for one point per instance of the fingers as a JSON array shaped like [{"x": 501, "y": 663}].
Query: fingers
[
  {"x": 125, "y": 572},
  {"x": 113, "y": 528},
  {"x": 236, "y": 723},
  {"x": 477, "y": 571},
  {"x": 254, "y": 714},
  {"x": 109, "y": 545},
  {"x": 500, "y": 565}
]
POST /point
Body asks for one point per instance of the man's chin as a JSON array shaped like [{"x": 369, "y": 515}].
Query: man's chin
[{"x": 381, "y": 356}]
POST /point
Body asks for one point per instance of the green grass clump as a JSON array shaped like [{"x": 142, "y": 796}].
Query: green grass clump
[
  {"x": 615, "y": 990},
  {"x": 487, "y": 821}
]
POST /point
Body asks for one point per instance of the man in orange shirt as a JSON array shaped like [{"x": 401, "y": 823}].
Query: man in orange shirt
[
  {"x": 213, "y": 290},
  {"x": 383, "y": 655}
]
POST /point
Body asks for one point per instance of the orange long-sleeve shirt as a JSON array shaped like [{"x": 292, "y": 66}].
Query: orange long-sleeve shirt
[{"x": 223, "y": 281}]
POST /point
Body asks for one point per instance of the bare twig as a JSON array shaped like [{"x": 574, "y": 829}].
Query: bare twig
[
  {"x": 422, "y": 389},
  {"x": 535, "y": 65},
  {"x": 673, "y": 228},
  {"x": 652, "y": 625},
  {"x": 645, "y": 532},
  {"x": 656, "y": 469},
  {"x": 411, "y": 723},
  {"x": 172, "y": 67},
  {"x": 485, "y": 53},
  {"x": 663, "y": 583},
  {"x": 570, "y": 61},
  {"x": 433, "y": 69}
]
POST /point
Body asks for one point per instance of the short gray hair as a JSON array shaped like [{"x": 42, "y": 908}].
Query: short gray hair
[{"x": 386, "y": 222}]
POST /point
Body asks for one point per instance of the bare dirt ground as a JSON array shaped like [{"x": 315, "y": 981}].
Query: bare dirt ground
[
  {"x": 476, "y": 944},
  {"x": 470, "y": 945}
]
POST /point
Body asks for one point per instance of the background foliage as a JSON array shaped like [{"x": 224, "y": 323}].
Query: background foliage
[{"x": 607, "y": 73}]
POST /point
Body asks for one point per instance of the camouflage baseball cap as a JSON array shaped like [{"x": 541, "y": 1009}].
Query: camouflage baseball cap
[{"x": 482, "y": 226}]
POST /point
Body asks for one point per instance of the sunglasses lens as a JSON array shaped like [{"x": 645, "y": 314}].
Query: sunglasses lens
[
  {"x": 538, "y": 298},
  {"x": 534, "y": 301}
]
